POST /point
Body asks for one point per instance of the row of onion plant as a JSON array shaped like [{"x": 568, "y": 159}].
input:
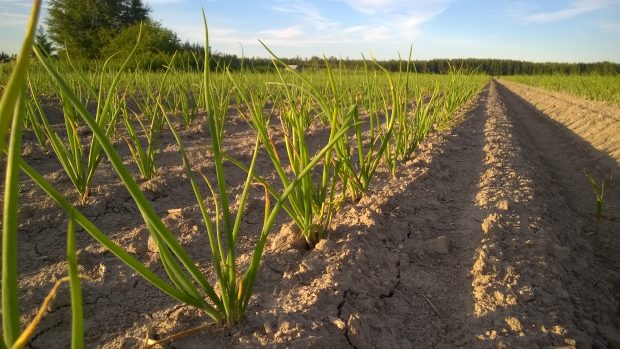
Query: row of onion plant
[{"x": 366, "y": 129}]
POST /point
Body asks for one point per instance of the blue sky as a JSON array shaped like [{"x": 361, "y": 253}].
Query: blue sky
[{"x": 543, "y": 30}]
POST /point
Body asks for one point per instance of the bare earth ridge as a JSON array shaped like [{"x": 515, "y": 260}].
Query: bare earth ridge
[
  {"x": 486, "y": 238},
  {"x": 594, "y": 121}
]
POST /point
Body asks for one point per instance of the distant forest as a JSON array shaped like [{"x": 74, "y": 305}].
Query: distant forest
[
  {"x": 436, "y": 66},
  {"x": 190, "y": 58}
]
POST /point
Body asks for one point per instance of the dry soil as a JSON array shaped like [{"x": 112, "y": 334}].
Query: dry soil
[{"x": 486, "y": 238}]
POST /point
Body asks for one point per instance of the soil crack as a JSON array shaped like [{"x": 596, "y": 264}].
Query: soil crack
[{"x": 345, "y": 295}]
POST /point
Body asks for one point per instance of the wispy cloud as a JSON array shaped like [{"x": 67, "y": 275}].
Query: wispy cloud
[
  {"x": 20, "y": 3},
  {"x": 368, "y": 23},
  {"x": 14, "y": 12},
  {"x": 368, "y": 33},
  {"x": 578, "y": 7},
  {"x": 217, "y": 34},
  {"x": 373, "y": 7},
  {"x": 306, "y": 12},
  {"x": 393, "y": 20},
  {"x": 404, "y": 17},
  {"x": 377, "y": 7},
  {"x": 163, "y": 2},
  {"x": 410, "y": 23},
  {"x": 12, "y": 19},
  {"x": 288, "y": 33},
  {"x": 613, "y": 27}
]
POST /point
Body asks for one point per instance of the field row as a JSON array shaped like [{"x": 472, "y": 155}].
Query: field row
[
  {"x": 373, "y": 120},
  {"x": 595, "y": 87}
]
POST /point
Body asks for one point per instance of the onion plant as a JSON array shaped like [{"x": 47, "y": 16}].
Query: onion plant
[
  {"x": 309, "y": 182},
  {"x": 32, "y": 119},
  {"x": 187, "y": 103},
  {"x": 599, "y": 195},
  {"x": 359, "y": 170},
  {"x": 78, "y": 158},
  {"x": 71, "y": 154},
  {"x": 143, "y": 155},
  {"x": 184, "y": 94},
  {"x": 311, "y": 205},
  {"x": 12, "y": 115},
  {"x": 415, "y": 125},
  {"x": 233, "y": 299},
  {"x": 188, "y": 283},
  {"x": 460, "y": 88},
  {"x": 406, "y": 127},
  {"x": 12, "y": 110},
  {"x": 423, "y": 118},
  {"x": 151, "y": 122}
]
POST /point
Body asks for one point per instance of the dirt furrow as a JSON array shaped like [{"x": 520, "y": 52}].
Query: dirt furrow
[
  {"x": 596, "y": 122},
  {"x": 580, "y": 290},
  {"x": 536, "y": 264}
]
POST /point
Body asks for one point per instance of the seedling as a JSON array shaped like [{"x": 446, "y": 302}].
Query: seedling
[{"x": 599, "y": 194}]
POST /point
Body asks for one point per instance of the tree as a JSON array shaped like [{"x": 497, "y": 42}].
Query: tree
[
  {"x": 155, "y": 47},
  {"x": 5, "y": 57},
  {"x": 134, "y": 11},
  {"x": 43, "y": 42},
  {"x": 84, "y": 27}
]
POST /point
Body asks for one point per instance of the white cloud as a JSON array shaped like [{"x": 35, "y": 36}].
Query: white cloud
[
  {"x": 410, "y": 23},
  {"x": 384, "y": 22},
  {"x": 14, "y": 12},
  {"x": 288, "y": 33},
  {"x": 392, "y": 20},
  {"x": 8, "y": 19},
  {"x": 16, "y": 2},
  {"x": 378, "y": 7},
  {"x": 163, "y": 2},
  {"x": 310, "y": 28},
  {"x": 217, "y": 34},
  {"x": 403, "y": 17},
  {"x": 367, "y": 33},
  {"x": 613, "y": 27},
  {"x": 372, "y": 7},
  {"x": 306, "y": 12},
  {"x": 577, "y": 8}
]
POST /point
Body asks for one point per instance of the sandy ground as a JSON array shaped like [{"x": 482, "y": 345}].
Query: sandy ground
[
  {"x": 594, "y": 121},
  {"x": 486, "y": 238}
]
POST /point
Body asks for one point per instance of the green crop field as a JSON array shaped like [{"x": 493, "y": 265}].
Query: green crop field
[
  {"x": 601, "y": 88},
  {"x": 160, "y": 187},
  {"x": 374, "y": 119}
]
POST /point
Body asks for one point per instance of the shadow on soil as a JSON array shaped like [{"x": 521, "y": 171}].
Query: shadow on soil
[{"x": 396, "y": 270}]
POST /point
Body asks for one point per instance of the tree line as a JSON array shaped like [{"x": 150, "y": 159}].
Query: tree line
[
  {"x": 87, "y": 30},
  {"x": 488, "y": 66}
]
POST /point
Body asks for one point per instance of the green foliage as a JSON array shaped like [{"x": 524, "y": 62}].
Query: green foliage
[
  {"x": 189, "y": 284},
  {"x": 435, "y": 66},
  {"x": 596, "y": 87},
  {"x": 312, "y": 179},
  {"x": 77, "y": 311},
  {"x": 599, "y": 194},
  {"x": 12, "y": 112},
  {"x": 84, "y": 27},
  {"x": 79, "y": 157},
  {"x": 156, "y": 46},
  {"x": 487, "y": 66},
  {"x": 311, "y": 204},
  {"x": 44, "y": 43},
  {"x": 5, "y": 58},
  {"x": 143, "y": 154}
]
